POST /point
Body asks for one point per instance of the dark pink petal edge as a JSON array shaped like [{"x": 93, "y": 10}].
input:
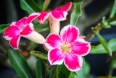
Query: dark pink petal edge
[
  {"x": 67, "y": 6},
  {"x": 31, "y": 17},
  {"x": 81, "y": 48},
  {"x": 14, "y": 42},
  {"x": 73, "y": 62},
  {"x": 69, "y": 33},
  {"x": 59, "y": 15},
  {"x": 27, "y": 30},
  {"x": 53, "y": 41},
  {"x": 43, "y": 17},
  {"x": 55, "y": 56}
]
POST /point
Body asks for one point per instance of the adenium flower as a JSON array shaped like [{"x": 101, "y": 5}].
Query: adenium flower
[
  {"x": 55, "y": 16},
  {"x": 23, "y": 28},
  {"x": 69, "y": 48}
]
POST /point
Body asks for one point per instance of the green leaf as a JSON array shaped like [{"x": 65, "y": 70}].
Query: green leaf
[
  {"x": 39, "y": 54},
  {"x": 40, "y": 69},
  {"x": 40, "y": 3},
  {"x": 113, "y": 23},
  {"x": 82, "y": 73},
  {"x": 50, "y": 73},
  {"x": 41, "y": 28},
  {"x": 76, "y": 13},
  {"x": 114, "y": 64},
  {"x": 105, "y": 24},
  {"x": 3, "y": 26},
  {"x": 20, "y": 65},
  {"x": 113, "y": 11},
  {"x": 46, "y": 4},
  {"x": 30, "y": 6},
  {"x": 104, "y": 44},
  {"x": 99, "y": 49},
  {"x": 64, "y": 72}
]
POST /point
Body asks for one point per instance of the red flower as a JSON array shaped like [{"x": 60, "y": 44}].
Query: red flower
[
  {"x": 24, "y": 28},
  {"x": 69, "y": 48}
]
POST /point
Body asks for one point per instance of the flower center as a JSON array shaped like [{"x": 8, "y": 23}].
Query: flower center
[{"x": 65, "y": 47}]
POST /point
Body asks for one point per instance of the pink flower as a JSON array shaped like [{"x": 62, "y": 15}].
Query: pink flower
[
  {"x": 24, "y": 28},
  {"x": 55, "y": 16},
  {"x": 69, "y": 48}
]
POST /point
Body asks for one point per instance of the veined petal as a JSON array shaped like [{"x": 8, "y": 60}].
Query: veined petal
[
  {"x": 67, "y": 6},
  {"x": 69, "y": 33},
  {"x": 80, "y": 47},
  {"x": 21, "y": 22},
  {"x": 55, "y": 56},
  {"x": 14, "y": 42},
  {"x": 73, "y": 62},
  {"x": 59, "y": 15},
  {"x": 52, "y": 41},
  {"x": 27, "y": 30},
  {"x": 42, "y": 17},
  {"x": 10, "y": 32},
  {"x": 32, "y": 17}
]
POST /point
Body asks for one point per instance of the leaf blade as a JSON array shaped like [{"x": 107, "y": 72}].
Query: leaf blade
[
  {"x": 104, "y": 44},
  {"x": 20, "y": 65},
  {"x": 30, "y": 6},
  {"x": 76, "y": 13},
  {"x": 40, "y": 69}
]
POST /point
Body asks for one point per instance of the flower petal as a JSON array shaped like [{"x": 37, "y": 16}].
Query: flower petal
[
  {"x": 80, "y": 47},
  {"x": 42, "y": 17},
  {"x": 67, "y": 6},
  {"x": 21, "y": 22},
  {"x": 69, "y": 33},
  {"x": 52, "y": 41},
  {"x": 59, "y": 15},
  {"x": 32, "y": 17},
  {"x": 27, "y": 30},
  {"x": 55, "y": 56},
  {"x": 36, "y": 37},
  {"x": 14, "y": 42},
  {"x": 73, "y": 62},
  {"x": 10, "y": 32}
]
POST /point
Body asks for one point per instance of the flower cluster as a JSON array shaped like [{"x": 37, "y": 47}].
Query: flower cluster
[{"x": 69, "y": 47}]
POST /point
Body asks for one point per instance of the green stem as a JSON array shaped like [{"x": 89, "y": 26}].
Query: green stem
[
  {"x": 110, "y": 69},
  {"x": 91, "y": 34}
]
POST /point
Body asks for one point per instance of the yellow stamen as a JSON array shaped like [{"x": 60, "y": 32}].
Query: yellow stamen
[{"x": 65, "y": 48}]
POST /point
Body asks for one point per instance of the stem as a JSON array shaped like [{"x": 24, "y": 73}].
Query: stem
[
  {"x": 97, "y": 28},
  {"x": 57, "y": 71},
  {"x": 46, "y": 4},
  {"x": 91, "y": 34},
  {"x": 111, "y": 68}
]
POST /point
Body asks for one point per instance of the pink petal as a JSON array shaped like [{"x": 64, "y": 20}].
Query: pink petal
[
  {"x": 55, "y": 57},
  {"x": 21, "y": 22},
  {"x": 80, "y": 47},
  {"x": 73, "y": 62},
  {"x": 42, "y": 17},
  {"x": 32, "y": 17},
  {"x": 59, "y": 15},
  {"x": 67, "y": 6},
  {"x": 69, "y": 33},
  {"x": 10, "y": 32},
  {"x": 52, "y": 41},
  {"x": 27, "y": 30},
  {"x": 14, "y": 42}
]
